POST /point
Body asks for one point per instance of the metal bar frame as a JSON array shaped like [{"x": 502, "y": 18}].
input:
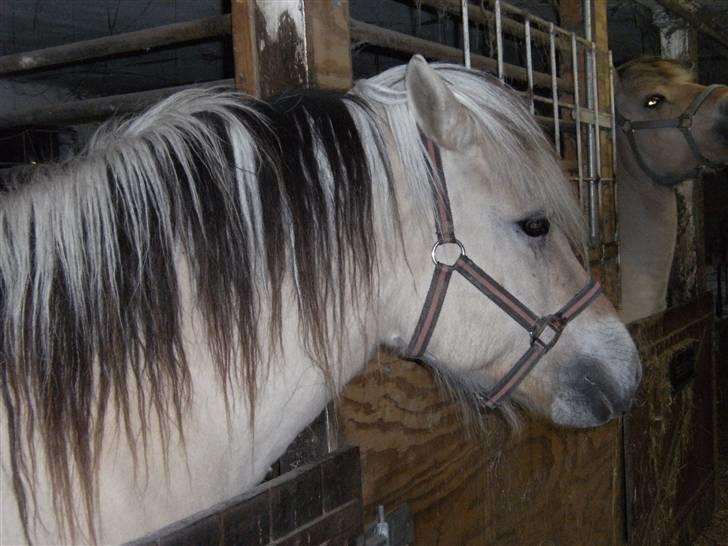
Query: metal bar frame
[
  {"x": 532, "y": 29},
  {"x": 554, "y": 90}
]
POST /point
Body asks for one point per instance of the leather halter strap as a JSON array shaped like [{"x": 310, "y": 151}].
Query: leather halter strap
[
  {"x": 684, "y": 122},
  {"x": 544, "y": 331}
]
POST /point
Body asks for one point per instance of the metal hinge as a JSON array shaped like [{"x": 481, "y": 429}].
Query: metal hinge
[{"x": 395, "y": 529}]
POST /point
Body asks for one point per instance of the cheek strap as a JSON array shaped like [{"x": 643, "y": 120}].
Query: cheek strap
[{"x": 543, "y": 331}]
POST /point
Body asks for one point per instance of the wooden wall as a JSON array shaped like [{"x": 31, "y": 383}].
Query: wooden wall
[
  {"x": 470, "y": 487},
  {"x": 671, "y": 440}
]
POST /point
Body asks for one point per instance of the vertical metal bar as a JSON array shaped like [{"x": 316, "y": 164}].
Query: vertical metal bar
[
  {"x": 595, "y": 182},
  {"x": 590, "y": 77},
  {"x": 499, "y": 38},
  {"x": 466, "y": 33},
  {"x": 529, "y": 61},
  {"x": 588, "y": 20},
  {"x": 615, "y": 189},
  {"x": 554, "y": 90},
  {"x": 577, "y": 118}
]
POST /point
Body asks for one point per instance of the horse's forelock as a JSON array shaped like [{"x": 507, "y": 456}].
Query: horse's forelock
[{"x": 648, "y": 70}]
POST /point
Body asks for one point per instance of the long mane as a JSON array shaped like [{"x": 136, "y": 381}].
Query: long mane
[
  {"x": 240, "y": 195},
  {"x": 251, "y": 203}
]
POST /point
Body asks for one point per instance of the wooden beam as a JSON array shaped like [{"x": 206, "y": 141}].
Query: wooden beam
[
  {"x": 245, "y": 52},
  {"x": 119, "y": 44},
  {"x": 328, "y": 44},
  {"x": 83, "y": 111},
  {"x": 700, "y": 24}
]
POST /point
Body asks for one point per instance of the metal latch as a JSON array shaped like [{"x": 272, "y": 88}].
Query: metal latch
[{"x": 395, "y": 529}]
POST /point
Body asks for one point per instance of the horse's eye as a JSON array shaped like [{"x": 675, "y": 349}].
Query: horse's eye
[
  {"x": 654, "y": 100},
  {"x": 535, "y": 227}
]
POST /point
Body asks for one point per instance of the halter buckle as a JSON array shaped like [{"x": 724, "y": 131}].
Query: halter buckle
[
  {"x": 685, "y": 121},
  {"x": 554, "y": 323}
]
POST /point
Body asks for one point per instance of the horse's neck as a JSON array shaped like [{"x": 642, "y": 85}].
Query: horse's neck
[
  {"x": 222, "y": 454},
  {"x": 648, "y": 227}
]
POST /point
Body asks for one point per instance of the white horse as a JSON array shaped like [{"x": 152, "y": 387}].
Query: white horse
[
  {"x": 669, "y": 128},
  {"x": 185, "y": 296}
]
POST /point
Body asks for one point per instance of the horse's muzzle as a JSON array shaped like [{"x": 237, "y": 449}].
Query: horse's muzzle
[{"x": 589, "y": 396}]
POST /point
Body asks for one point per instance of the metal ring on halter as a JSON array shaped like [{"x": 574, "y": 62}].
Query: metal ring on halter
[{"x": 438, "y": 244}]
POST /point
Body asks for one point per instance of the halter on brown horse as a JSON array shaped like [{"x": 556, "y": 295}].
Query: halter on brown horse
[{"x": 670, "y": 129}]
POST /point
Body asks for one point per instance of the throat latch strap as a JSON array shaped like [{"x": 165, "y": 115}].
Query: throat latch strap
[{"x": 544, "y": 332}]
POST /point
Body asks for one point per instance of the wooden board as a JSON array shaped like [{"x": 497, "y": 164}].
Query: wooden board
[
  {"x": 317, "y": 503},
  {"x": 671, "y": 440},
  {"x": 542, "y": 486}
]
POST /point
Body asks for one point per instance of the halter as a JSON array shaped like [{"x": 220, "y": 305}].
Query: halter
[
  {"x": 684, "y": 122},
  {"x": 543, "y": 331}
]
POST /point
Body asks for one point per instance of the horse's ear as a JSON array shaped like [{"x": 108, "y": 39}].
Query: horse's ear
[{"x": 440, "y": 116}]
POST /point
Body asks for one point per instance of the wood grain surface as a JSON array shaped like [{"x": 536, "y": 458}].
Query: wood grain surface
[{"x": 468, "y": 486}]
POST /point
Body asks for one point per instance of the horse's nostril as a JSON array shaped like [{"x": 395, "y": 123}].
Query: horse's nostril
[{"x": 590, "y": 394}]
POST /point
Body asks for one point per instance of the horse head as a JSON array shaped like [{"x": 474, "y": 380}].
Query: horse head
[
  {"x": 670, "y": 129},
  {"x": 671, "y": 126},
  {"x": 516, "y": 218}
]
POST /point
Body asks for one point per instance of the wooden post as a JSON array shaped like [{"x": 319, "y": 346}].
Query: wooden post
[
  {"x": 291, "y": 43},
  {"x": 245, "y": 52},
  {"x": 328, "y": 44}
]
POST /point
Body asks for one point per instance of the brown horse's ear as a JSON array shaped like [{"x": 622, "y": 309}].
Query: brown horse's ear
[{"x": 439, "y": 114}]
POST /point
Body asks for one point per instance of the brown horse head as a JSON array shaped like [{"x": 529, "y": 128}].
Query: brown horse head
[{"x": 671, "y": 127}]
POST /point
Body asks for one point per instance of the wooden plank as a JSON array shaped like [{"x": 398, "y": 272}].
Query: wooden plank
[
  {"x": 117, "y": 44},
  {"x": 473, "y": 486},
  {"x": 269, "y": 46},
  {"x": 671, "y": 443},
  {"x": 341, "y": 524},
  {"x": 245, "y": 51},
  {"x": 84, "y": 111},
  {"x": 328, "y": 44},
  {"x": 316, "y": 502}
]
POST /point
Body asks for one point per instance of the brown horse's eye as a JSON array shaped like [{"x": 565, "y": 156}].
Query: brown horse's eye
[
  {"x": 653, "y": 101},
  {"x": 535, "y": 227}
]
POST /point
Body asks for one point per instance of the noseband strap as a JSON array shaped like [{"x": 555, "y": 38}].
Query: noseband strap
[
  {"x": 544, "y": 331},
  {"x": 684, "y": 122}
]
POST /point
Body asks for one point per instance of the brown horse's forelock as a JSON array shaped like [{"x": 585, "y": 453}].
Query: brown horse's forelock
[
  {"x": 648, "y": 70},
  {"x": 95, "y": 313}
]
